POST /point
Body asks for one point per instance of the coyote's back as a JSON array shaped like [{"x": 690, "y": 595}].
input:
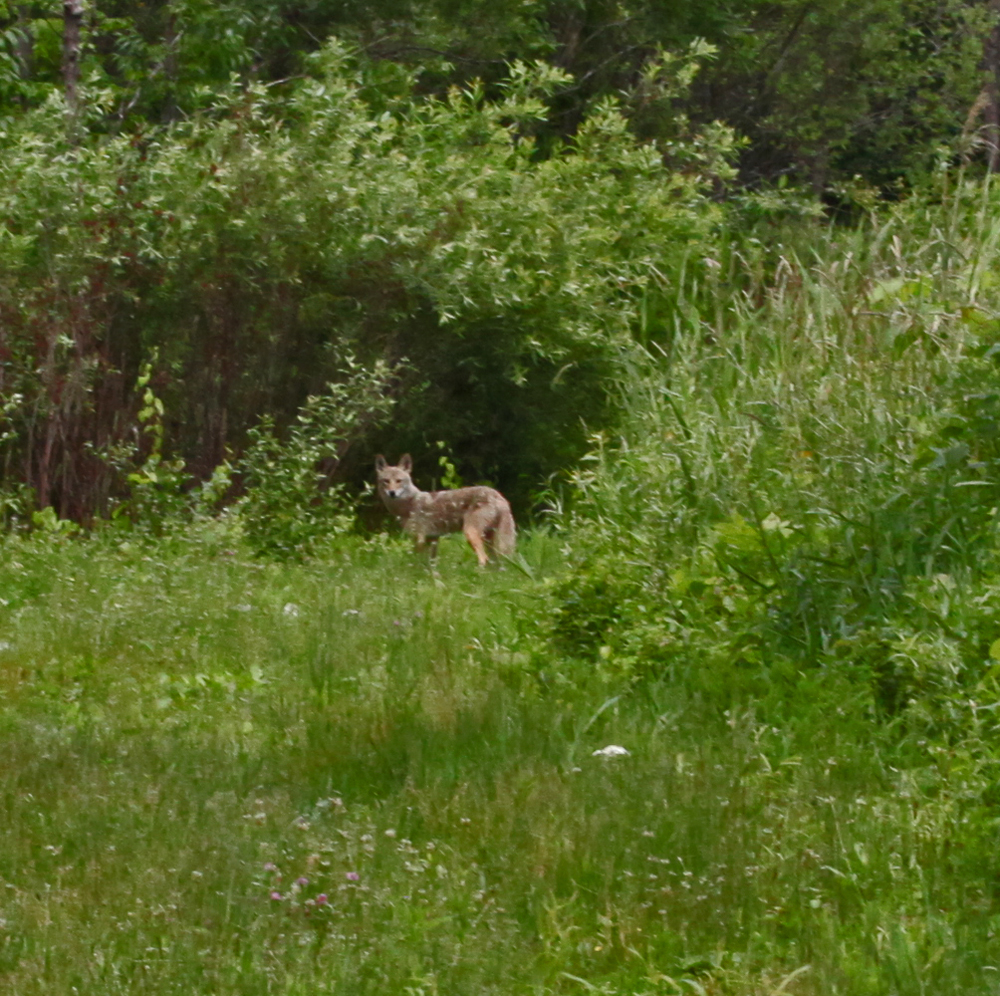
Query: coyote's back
[{"x": 481, "y": 513}]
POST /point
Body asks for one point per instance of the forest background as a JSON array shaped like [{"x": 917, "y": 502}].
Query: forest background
[
  {"x": 710, "y": 290},
  {"x": 490, "y": 201}
]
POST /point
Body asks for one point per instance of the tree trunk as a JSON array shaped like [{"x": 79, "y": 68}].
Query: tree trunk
[
  {"x": 72, "y": 24},
  {"x": 25, "y": 42},
  {"x": 170, "y": 39},
  {"x": 991, "y": 91}
]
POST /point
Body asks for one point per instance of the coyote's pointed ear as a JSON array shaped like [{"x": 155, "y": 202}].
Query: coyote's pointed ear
[
  {"x": 380, "y": 463},
  {"x": 405, "y": 463}
]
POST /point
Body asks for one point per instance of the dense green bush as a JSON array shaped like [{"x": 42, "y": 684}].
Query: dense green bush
[
  {"x": 256, "y": 244},
  {"x": 792, "y": 480},
  {"x": 290, "y": 506}
]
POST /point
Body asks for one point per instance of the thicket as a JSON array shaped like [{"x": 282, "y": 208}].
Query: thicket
[
  {"x": 503, "y": 196},
  {"x": 250, "y": 249},
  {"x": 806, "y": 491}
]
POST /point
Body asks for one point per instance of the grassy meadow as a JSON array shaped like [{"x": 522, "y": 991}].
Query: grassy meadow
[
  {"x": 776, "y": 587},
  {"x": 232, "y": 777}
]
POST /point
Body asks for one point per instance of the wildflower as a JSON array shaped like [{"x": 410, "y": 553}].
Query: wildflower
[
  {"x": 270, "y": 866},
  {"x": 390, "y": 833},
  {"x": 352, "y": 876},
  {"x": 302, "y": 882},
  {"x": 321, "y": 899},
  {"x": 277, "y": 896}
]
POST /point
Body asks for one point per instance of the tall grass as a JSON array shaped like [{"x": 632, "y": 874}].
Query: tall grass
[
  {"x": 197, "y": 748},
  {"x": 776, "y": 590},
  {"x": 828, "y": 434}
]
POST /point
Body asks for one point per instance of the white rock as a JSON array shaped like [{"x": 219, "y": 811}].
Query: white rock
[{"x": 612, "y": 750}]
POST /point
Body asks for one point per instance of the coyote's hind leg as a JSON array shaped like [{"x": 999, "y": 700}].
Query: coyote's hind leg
[{"x": 475, "y": 538}]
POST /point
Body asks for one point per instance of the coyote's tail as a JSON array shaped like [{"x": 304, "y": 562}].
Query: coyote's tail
[{"x": 506, "y": 534}]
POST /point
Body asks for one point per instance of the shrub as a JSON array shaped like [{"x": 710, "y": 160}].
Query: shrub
[
  {"x": 789, "y": 479},
  {"x": 290, "y": 506}
]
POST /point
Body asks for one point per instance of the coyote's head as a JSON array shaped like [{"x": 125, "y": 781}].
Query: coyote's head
[{"x": 394, "y": 482}]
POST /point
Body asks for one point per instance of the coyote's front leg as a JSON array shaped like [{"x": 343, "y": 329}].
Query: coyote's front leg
[{"x": 428, "y": 543}]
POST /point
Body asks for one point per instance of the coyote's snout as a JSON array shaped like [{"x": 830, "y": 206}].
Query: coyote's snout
[{"x": 481, "y": 513}]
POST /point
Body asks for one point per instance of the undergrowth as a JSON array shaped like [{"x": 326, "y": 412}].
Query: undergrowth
[{"x": 775, "y": 589}]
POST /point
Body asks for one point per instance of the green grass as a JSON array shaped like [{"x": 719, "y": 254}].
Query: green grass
[
  {"x": 188, "y": 733},
  {"x": 777, "y": 591}
]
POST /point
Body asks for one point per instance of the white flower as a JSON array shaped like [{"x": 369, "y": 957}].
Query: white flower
[
  {"x": 291, "y": 609},
  {"x": 612, "y": 750}
]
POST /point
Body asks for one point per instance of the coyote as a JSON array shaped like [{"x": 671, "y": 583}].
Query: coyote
[{"x": 481, "y": 513}]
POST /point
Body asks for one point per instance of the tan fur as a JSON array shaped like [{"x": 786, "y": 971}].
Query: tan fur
[{"x": 481, "y": 513}]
